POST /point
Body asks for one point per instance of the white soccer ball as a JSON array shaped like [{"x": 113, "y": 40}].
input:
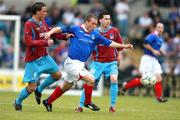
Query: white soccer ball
[{"x": 148, "y": 79}]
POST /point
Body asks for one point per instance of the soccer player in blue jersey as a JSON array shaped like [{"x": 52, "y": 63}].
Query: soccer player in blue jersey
[
  {"x": 81, "y": 46},
  {"x": 105, "y": 60},
  {"x": 149, "y": 62}
]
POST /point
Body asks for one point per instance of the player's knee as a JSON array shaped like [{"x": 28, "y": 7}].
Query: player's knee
[
  {"x": 158, "y": 77},
  {"x": 113, "y": 78},
  {"x": 91, "y": 81},
  {"x": 31, "y": 89},
  {"x": 56, "y": 75}
]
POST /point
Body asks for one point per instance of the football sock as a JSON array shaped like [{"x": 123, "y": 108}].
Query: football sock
[
  {"x": 22, "y": 95},
  {"x": 56, "y": 94},
  {"x": 48, "y": 81},
  {"x": 113, "y": 93},
  {"x": 82, "y": 99},
  {"x": 88, "y": 93},
  {"x": 158, "y": 89},
  {"x": 133, "y": 83}
]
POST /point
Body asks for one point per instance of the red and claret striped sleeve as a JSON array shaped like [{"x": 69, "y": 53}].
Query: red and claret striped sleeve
[
  {"x": 29, "y": 40},
  {"x": 118, "y": 39},
  {"x": 60, "y": 36}
]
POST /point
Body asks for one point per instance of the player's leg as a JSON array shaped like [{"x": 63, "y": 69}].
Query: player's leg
[
  {"x": 74, "y": 70},
  {"x": 113, "y": 92},
  {"x": 25, "y": 92},
  {"x": 48, "y": 66},
  {"x": 96, "y": 70},
  {"x": 58, "y": 92},
  {"x": 31, "y": 76},
  {"x": 111, "y": 72},
  {"x": 144, "y": 67},
  {"x": 135, "y": 82},
  {"x": 158, "y": 86},
  {"x": 88, "y": 88}
]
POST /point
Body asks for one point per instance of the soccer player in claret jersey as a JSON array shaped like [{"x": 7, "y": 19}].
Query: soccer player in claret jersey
[
  {"x": 37, "y": 60},
  {"x": 105, "y": 60},
  {"x": 149, "y": 62},
  {"x": 81, "y": 46}
]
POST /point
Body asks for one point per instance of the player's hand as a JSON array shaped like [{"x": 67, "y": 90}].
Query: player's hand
[
  {"x": 69, "y": 36},
  {"x": 47, "y": 35},
  {"x": 156, "y": 52},
  {"x": 128, "y": 46},
  {"x": 50, "y": 42},
  {"x": 162, "y": 52}
]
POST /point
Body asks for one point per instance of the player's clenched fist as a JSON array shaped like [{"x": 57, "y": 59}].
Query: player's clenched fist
[
  {"x": 50, "y": 42},
  {"x": 128, "y": 46}
]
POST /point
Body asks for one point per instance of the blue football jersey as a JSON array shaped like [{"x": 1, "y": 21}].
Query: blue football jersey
[
  {"x": 154, "y": 41},
  {"x": 83, "y": 43}
]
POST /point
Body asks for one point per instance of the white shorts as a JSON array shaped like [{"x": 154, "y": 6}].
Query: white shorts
[
  {"x": 149, "y": 64},
  {"x": 74, "y": 69}
]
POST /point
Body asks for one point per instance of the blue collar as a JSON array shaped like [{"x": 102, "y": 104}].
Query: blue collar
[{"x": 34, "y": 21}]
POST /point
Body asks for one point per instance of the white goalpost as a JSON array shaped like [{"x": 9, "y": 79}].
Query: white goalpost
[
  {"x": 11, "y": 79},
  {"x": 13, "y": 72}
]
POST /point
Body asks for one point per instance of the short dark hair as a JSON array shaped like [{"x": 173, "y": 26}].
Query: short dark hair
[
  {"x": 101, "y": 15},
  {"x": 37, "y": 7},
  {"x": 88, "y": 17}
]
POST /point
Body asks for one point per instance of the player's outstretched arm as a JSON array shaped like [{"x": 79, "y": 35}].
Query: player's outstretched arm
[
  {"x": 122, "y": 46},
  {"x": 52, "y": 31}
]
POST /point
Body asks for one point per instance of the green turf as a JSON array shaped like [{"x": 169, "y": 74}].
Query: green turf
[{"x": 128, "y": 108}]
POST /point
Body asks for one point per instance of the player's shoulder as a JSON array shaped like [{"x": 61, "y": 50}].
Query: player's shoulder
[
  {"x": 96, "y": 31},
  {"x": 28, "y": 23},
  {"x": 114, "y": 29},
  {"x": 152, "y": 35},
  {"x": 75, "y": 27}
]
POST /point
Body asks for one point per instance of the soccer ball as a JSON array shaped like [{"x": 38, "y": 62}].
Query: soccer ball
[{"x": 148, "y": 79}]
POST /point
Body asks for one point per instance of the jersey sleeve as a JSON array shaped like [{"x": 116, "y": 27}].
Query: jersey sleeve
[
  {"x": 102, "y": 40},
  {"x": 149, "y": 39},
  {"x": 29, "y": 40},
  {"x": 59, "y": 36},
  {"x": 70, "y": 29},
  {"x": 118, "y": 39}
]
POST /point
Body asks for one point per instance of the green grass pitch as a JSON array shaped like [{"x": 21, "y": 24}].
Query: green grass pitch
[{"x": 128, "y": 108}]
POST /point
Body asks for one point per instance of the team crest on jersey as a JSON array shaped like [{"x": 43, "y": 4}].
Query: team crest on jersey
[
  {"x": 38, "y": 29},
  {"x": 93, "y": 37},
  {"x": 111, "y": 36}
]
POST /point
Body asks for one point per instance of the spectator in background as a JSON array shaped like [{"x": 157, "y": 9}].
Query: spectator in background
[
  {"x": 67, "y": 17},
  {"x": 154, "y": 12},
  {"x": 3, "y": 47},
  {"x": 54, "y": 14},
  {"x": 122, "y": 12},
  {"x": 97, "y": 7},
  {"x": 3, "y": 7},
  {"x": 12, "y": 10},
  {"x": 78, "y": 17},
  {"x": 173, "y": 15},
  {"x": 145, "y": 23}
]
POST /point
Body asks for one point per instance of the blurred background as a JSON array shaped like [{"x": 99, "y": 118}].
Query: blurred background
[{"x": 134, "y": 18}]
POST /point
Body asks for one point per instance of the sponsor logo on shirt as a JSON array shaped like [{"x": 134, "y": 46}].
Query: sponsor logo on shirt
[
  {"x": 41, "y": 34},
  {"x": 111, "y": 36},
  {"x": 92, "y": 37},
  {"x": 37, "y": 28}
]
